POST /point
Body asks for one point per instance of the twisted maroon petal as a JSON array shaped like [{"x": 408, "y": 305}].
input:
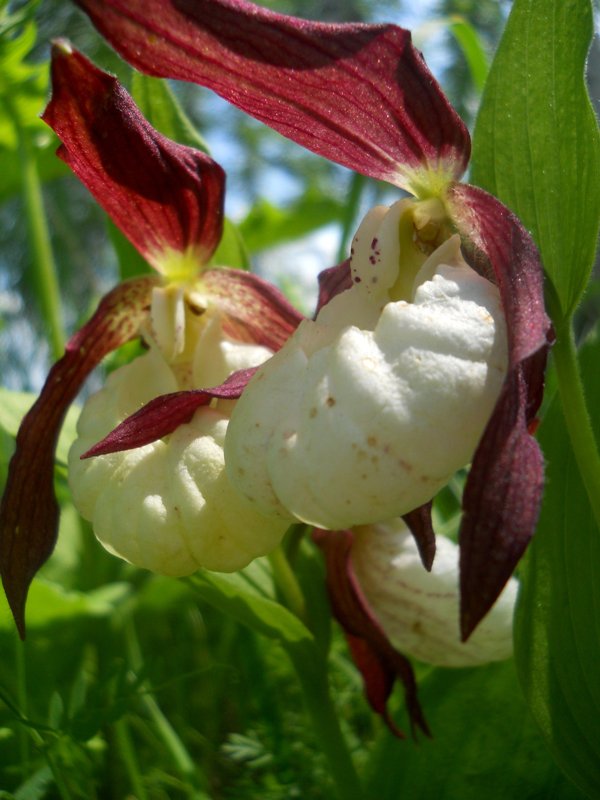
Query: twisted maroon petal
[
  {"x": 29, "y": 512},
  {"x": 360, "y": 95},
  {"x": 379, "y": 663},
  {"x": 333, "y": 281},
  {"x": 164, "y": 414},
  {"x": 504, "y": 489},
  {"x": 163, "y": 196},
  {"x": 420, "y": 525}
]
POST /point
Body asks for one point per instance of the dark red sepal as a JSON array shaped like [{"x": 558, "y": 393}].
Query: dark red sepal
[
  {"x": 162, "y": 195},
  {"x": 420, "y": 525},
  {"x": 255, "y": 310},
  {"x": 333, "y": 281},
  {"x": 29, "y": 512},
  {"x": 359, "y": 95},
  {"x": 166, "y": 413},
  {"x": 379, "y": 663},
  {"x": 503, "y": 492}
]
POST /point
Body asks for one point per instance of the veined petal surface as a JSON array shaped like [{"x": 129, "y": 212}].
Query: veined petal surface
[
  {"x": 166, "y": 198},
  {"x": 358, "y": 94}
]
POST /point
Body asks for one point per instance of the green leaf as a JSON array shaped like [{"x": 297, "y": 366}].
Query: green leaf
[
  {"x": 23, "y": 93},
  {"x": 248, "y": 597},
  {"x": 14, "y": 406},
  {"x": 267, "y": 225},
  {"x": 469, "y": 42},
  {"x": 536, "y": 144},
  {"x": 467, "y": 39},
  {"x": 159, "y": 105},
  {"x": 484, "y": 744},
  {"x": 48, "y": 603},
  {"x": 231, "y": 251},
  {"x": 557, "y": 636}
]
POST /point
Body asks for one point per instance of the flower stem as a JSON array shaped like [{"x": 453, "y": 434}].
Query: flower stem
[
  {"x": 24, "y": 740},
  {"x": 46, "y": 281},
  {"x": 129, "y": 759},
  {"x": 165, "y": 730},
  {"x": 579, "y": 426},
  {"x": 312, "y": 674},
  {"x": 287, "y": 583},
  {"x": 350, "y": 212}
]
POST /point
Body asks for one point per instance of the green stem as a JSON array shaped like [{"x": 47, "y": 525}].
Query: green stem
[
  {"x": 579, "y": 426},
  {"x": 46, "y": 281},
  {"x": 350, "y": 212},
  {"x": 313, "y": 677},
  {"x": 181, "y": 758},
  {"x": 129, "y": 759},
  {"x": 24, "y": 740},
  {"x": 287, "y": 583}
]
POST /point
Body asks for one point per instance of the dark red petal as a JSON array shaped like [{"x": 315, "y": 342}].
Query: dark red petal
[
  {"x": 421, "y": 527},
  {"x": 360, "y": 95},
  {"x": 164, "y": 414},
  {"x": 163, "y": 196},
  {"x": 333, "y": 281},
  {"x": 503, "y": 492},
  {"x": 29, "y": 512},
  {"x": 379, "y": 663},
  {"x": 256, "y": 310}
]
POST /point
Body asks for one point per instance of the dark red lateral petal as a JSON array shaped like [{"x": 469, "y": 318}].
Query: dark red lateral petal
[
  {"x": 29, "y": 512},
  {"x": 420, "y": 525},
  {"x": 379, "y": 663},
  {"x": 162, "y": 195},
  {"x": 256, "y": 311},
  {"x": 501, "y": 503},
  {"x": 357, "y": 94},
  {"x": 504, "y": 488},
  {"x": 333, "y": 281},
  {"x": 164, "y": 414}
]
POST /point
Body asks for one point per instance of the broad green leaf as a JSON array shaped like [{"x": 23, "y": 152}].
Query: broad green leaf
[
  {"x": 159, "y": 105},
  {"x": 14, "y": 406},
  {"x": 536, "y": 144},
  {"x": 267, "y": 225},
  {"x": 231, "y": 251},
  {"x": 131, "y": 263},
  {"x": 484, "y": 745},
  {"x": 49, "y": 603},
  {"x": 557, "y": 637},
  {"x": 248, "y": 597}
]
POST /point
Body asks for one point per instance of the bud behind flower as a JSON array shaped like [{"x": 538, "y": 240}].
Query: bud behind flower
[{"x": 418, "y": 610}]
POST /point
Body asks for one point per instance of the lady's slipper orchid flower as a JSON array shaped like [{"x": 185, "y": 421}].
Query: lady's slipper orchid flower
[
  {"x": 168, "y": 506},
  {"x": 417, "y": 609},
  {"x": 362, "y": 96}
]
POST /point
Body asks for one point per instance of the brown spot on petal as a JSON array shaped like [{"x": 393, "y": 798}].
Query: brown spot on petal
[
  {"x": 312, "y": 413},
  {"x": 372, "y": 441},
  {"x": 330, "y": 401}
]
